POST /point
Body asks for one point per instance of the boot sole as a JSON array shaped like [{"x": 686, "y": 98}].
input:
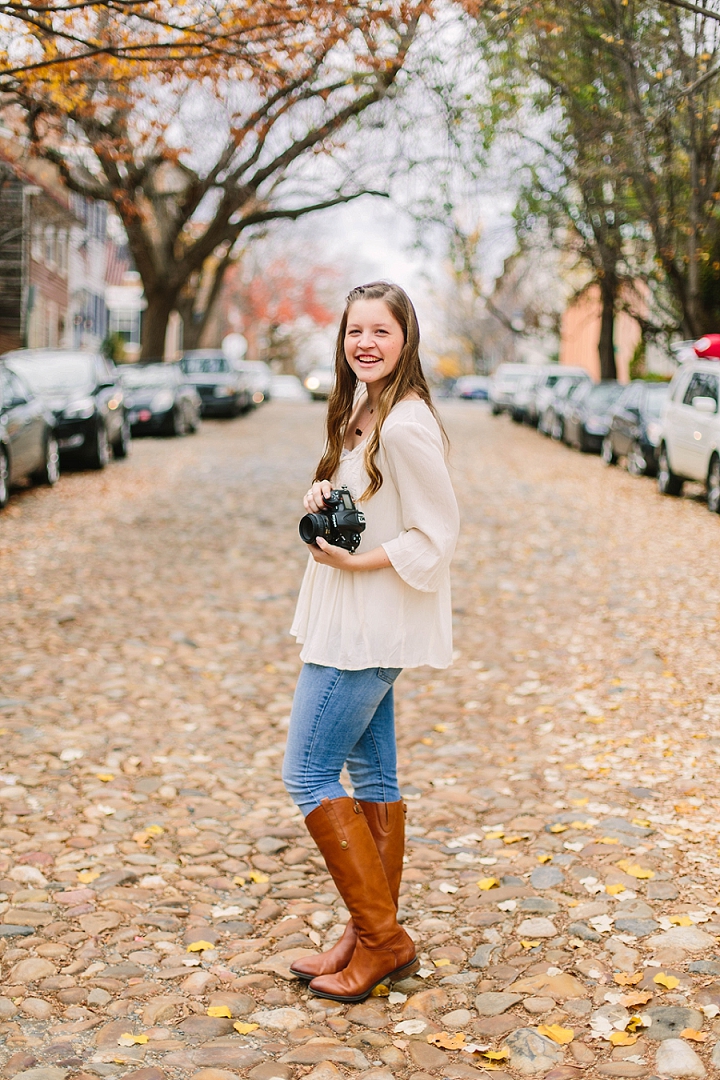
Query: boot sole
[
  {"x": 304, "y": 976},
  {"x": 393, "y": 976}
]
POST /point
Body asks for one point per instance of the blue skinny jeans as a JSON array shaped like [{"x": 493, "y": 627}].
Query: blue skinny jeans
[{"x": 342, "y": 717}]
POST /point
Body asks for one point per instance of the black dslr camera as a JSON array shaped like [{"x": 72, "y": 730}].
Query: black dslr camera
[{"x": 339, "y": 523}]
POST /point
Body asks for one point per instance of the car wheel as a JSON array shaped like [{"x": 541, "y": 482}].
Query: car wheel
[
  {"x": 636, "y": 463},
  {"x": 121, "y": 446},
  {"x": 668, "y": 483},
  {"x": 713, "y": 485},
  {"x": 49, "y": 473},
  {"x": 99, "y": 456},
  {"x": 495, "y": 411},
  {"x": 4, "y": 479},
  {"x": 607, "y": 453}
]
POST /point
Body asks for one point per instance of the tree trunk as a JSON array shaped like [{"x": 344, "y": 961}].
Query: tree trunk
[
  {"x": 154, "y": 325},
  {"x": 606, "y": 345}
]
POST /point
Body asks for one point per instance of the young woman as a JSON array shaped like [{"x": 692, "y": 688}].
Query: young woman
[{"x": 361, "y": 618}]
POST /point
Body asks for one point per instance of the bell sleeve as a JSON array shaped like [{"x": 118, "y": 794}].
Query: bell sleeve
[{"x": 415, "y": 460}]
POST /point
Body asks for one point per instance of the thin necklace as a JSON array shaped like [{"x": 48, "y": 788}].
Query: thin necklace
[{"x": 359, "y": 430}]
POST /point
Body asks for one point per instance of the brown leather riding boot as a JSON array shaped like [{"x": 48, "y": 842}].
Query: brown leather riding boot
[
  {"x": 387, "y": 825},
  {"x": 383, "y": 951}
]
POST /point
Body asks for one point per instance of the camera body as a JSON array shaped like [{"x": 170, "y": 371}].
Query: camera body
[{"x": 340, "y": 523}]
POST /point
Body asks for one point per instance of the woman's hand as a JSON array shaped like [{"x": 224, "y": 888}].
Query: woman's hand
[
  {"x": 332, "y": 555},
  {"x": 314, "y": 500}
]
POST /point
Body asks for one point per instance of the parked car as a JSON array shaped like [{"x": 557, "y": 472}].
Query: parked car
[
  {"x": 28, "y": 445},
  {"x": 259, "y": 377},
  {"x": 635, "y": 428},
  {"x": 503, "y": 384},
  {"x": 84, "y": 393},
  {"x": 223, "y": 386},
  {"x": 690, "y": 442},
  {"x": 319, "y": 383},
  {"x": 472, "y": 387},
  {"x": 524, "y": 396},
  {"x": 586, "y": 418},
  {"x": 551, "y": 402},
  {"x": 288, "y": 388},
  {"x": 159, "y": 399}
]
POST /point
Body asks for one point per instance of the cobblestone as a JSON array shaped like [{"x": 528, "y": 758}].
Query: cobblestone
[{"x": 156, "y": 883}]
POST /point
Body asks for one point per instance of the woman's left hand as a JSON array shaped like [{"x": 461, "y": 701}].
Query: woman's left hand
[{"x": 331, "y": 555}]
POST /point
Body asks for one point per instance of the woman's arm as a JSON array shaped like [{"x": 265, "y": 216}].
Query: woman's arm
[{"x": 331, "y": 555}]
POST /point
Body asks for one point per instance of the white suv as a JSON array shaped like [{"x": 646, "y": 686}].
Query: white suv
[{"x": 690, "y": 446}]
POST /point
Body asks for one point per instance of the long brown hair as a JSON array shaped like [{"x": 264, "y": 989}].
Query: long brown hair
[{"x": 407, "y": 379}]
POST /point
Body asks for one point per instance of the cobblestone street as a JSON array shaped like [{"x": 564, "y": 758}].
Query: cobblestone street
[{"x": 563, "y": 869}]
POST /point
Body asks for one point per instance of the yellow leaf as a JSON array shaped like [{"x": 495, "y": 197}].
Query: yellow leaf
[
  {"x": 258, "y": 877},
  {"x": 219, "y": 1010},
  {"x": 633, "y": 1024},
  {"x": 496, "y": 835},
  {"x": 106, "y": 777},
  {"x": 608, "y": 840},
  {"x": 628, "y": 980},
  {"x": 558, "y": 1034},
  {"x": 544, "y": 858},
  {"x": 426, "y": 742},
  {"x": 488, "y": 883},
  {"x": 496, "y": 1055},
  {"x": 86, "y": 876},
  {"x": 694, "y": 1036},
  {"x": 513, "y": 839},
  {"x": 447, "y": 1041},
  {"x": 622, "y": 1038},
  {"x": 381, "y": 990},
  {"x": 681, "y": 920},
  {"x": 668, "y": 981},
  {"x": 642, "y": 822},
  {"x": 440, "y": 728},
  {"x": 441, "y": 963},
  {"x": 580, "y": 802},
  {"x": 635, "y": 870},
  {"x": 200, "y": 946},
  {"x": 637, "y": 997},
  {"x": 128, "y": 1039},
  {"x": 529, "y": 944},
  {"x": 238, "y": 881},
  {"x": 155, "y": 830},
  {"x": 580, "y": 825},
  {"x": 614, "y": 890},
  {"x": 558, "y": 828},
  {"x": 244, "y": 1029}
]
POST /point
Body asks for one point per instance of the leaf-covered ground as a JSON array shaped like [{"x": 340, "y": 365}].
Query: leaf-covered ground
[{"x": 563, "y": 872}]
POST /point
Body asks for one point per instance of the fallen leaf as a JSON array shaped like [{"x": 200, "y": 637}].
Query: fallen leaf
[
  {"x": 440, "y": 727},
  {"x": 608, "y": 840},
  {"x": 475, "y": 1048},
  {"x": 497, "y": 1055},
  {"x": 447, "y": 1041},
  {"x": 668, "y": 981},
  {"x": 642, "y": 822},
  {"x": 410, "y": 1027},
  {"x": 106, "y": 777},
  {"x": 219, "y": 1010},
  {"x": 87, "y": 876},
  {"x": 614, "y": 890},
  {"x": 488, "y": 883},
  {"x": 244, "y": 1029},
  {"x": 580, "y": 825},
  {"x": 694, "y": 1036},
  {"x": 628, "y": 980},
  {"x": 513, "y": 839},
  {"x": 529, "y": 944},
  {"x": 557, "y": 1033},
  {"x": 681, "y": 920},
  {"x": 558, "y": 828},
  {"x": 258, "y": 877},
  {"x": 622, "y": 1038},
  {"x": 426, "y": 742},
  {"x": 128, "y": 1039},
  {"x": 496, "y": 835},
  {"x": 638, "y": 997},
  {"x": 635, "y": 870},
  {"x": 633, "y": 1024},
  {"x": 381, "y": 990},
  {"x": 199, "y": 946},
  {"x": 238, "y": 881},
  {"x": 441, "y": 963},
  {"x": 544, "y": 858}
]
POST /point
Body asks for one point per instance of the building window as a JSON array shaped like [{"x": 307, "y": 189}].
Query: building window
[
  {"x": 36, "y": 244},
  {"x": 50, "y": 245},
  {"x": 62, "y": 250},
  {"x": 126, "y": 324}
]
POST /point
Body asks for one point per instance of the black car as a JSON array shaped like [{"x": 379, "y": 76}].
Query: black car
[
  {"x": 28, "y": 446},
  {"x": 224, "y": 389},
  {"x": 84, "y": 393},
  {"x": 635, "y": 429},
  {"x": 159, "y": 400},
  {"x": 586, "y": 417}
]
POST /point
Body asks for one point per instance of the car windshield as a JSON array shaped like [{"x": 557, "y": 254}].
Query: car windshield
[
  {"x": 602, "y": 396},
  {"x": 57, "y": 374},
  {"x": 156, "y": 375},
  {"x": 655, "y": 400},
  {"x": 204, "y": 365}
]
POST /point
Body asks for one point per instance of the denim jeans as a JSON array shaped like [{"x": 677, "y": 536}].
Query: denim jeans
[{"x": 342, "y": 717}]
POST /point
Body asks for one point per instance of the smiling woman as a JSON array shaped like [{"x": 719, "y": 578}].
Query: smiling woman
[{"x": 363, "y": 617}]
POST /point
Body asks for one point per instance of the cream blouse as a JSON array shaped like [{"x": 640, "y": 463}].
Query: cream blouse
[{"x": 399, "y": 616}]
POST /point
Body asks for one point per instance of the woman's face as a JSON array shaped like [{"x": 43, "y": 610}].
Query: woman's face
[{"x": 374, "y": 340}]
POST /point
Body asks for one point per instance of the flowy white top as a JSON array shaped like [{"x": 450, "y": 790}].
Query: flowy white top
[{"x": 400, "y": 616}]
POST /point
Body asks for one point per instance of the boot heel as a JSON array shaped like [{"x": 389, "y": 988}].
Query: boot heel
[{"x": 404, "y": 972}]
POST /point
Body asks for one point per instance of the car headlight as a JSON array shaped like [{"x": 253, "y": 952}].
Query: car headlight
[
  {"x": 312, "y": 383},
  {"x": 654, "y": 433},
  {"x": 224, "y": 391},
  {"x": 80, "y": 410},
  {"x": 162, "y": 401}
]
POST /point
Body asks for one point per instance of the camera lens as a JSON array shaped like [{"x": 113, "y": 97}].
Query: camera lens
[{"x": 311, "y": 526}]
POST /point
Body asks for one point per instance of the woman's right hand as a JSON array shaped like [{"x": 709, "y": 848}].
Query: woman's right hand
[{"x": 314, "y": 500}]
